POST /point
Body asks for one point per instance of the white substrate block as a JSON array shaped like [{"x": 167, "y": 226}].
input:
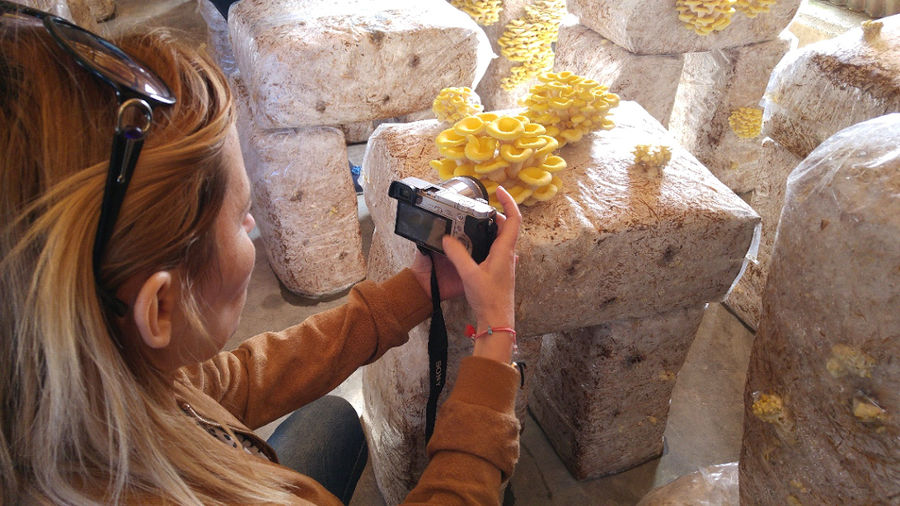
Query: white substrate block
[
  {"x": 830, "y": 85},
  {"x": 713, "y": 86},
  {"x": 653, "y": 27},
  {"x": 321, "y": 62},
  {"x": 304, "y": 203},
  {"x": 824, "y": 366}
]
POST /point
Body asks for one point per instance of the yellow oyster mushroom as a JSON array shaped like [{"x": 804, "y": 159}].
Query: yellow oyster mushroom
[
  {"x": 505, "y": 128},
  {"x": 531, "y": 142},
  {"x": 444, "y": 166},
  {"x": 746, "y": 122},
  {"x": 545, "y": 193},
  {"x": 512, "y": 154},
  {"x": 560, "y": 103},
  {"x": 453, "y": 152},
  {"x": 535, "y": 176},
  {"x": 532, "y": 129},
  {"x": 490, "y": 186},
  {"x": 553, "y": 164},
  {"x": 571, "y": 135},
  {"x": 453, "y": 104},
  {"x": 450, "y": 137},
  {"x": 705, "y": 16},
  {"x": 470, "y": 125},
  {"x": 551, "y": 145},
  {"x": 484, "y": 12},
  {"x": 465, "y": 169},
  {"x": 519, "y": 193},
  {"x": 490, "y": 166},
  {"x": 557, "y": 182},
  {"x": 480, "y": 149},
  {"x": 487, "y": 117}
]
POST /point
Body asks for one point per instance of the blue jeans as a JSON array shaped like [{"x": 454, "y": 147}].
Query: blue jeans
[{"x": 324, "y": 440}]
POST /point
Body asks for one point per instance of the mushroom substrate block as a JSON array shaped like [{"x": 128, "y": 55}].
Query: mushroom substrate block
[
  {"x": 655, "y": 27},
  {"x": 823, "y": 384},
  {"x": 718, "y": 114},
  {"x": 320, "y": 62},
  {"x": 827, "y": 86},
  {"x": 601, "y": 394},
  {"x": 767, "y": 199},
  {"x": 616, "y": 242},
  {"x": 304, "y": 203}
]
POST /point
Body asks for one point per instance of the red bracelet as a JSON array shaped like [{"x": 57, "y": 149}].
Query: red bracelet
[{"x": 470, "y": 333}]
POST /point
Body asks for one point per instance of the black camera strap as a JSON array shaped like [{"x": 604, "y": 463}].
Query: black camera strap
[{"x": 437, "y": 353}]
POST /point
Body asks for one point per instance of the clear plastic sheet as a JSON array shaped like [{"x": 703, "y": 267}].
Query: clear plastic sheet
[
  {"x": 825, "y": 355},
  {"x": 315, "y": 62},
  {"x": 710, "y": 486},
  {"x": 824, "y": 87},
  {"x": 217, "y": 37}
]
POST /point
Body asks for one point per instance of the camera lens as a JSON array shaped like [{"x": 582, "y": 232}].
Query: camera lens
[{"x": 467, "y": 186}]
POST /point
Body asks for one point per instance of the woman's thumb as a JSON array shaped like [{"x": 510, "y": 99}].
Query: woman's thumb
[{"x": 457, "y": 254}]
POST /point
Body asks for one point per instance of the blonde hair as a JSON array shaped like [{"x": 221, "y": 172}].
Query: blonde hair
[{"x": 81, "y": 423}]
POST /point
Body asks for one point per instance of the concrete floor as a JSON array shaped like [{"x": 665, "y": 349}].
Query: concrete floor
[{"x": 705, "y": 420}]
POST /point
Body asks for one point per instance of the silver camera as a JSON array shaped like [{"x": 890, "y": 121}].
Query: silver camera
[{"x": 458, "y": 207}]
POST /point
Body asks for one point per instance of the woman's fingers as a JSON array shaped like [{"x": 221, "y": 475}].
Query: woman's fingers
[
  {"x": 458, "y": 255},
  {"x": 509, "y": 232}
]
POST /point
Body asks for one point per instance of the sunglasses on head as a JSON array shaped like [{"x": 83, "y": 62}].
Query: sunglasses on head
[{"x": 138, "y": 89}]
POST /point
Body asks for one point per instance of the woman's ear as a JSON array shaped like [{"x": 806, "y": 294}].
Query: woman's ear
[{"x": 153, "y": 309}]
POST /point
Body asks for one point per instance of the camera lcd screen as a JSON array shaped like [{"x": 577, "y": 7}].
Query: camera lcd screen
[{"x": 421, "y": 226}]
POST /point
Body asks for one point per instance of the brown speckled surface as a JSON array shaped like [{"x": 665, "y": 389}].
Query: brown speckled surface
[
  {"x": 652, "y": 26},
  {"x": 830, "y": 85},
  {"x": 323, "y": 62}
]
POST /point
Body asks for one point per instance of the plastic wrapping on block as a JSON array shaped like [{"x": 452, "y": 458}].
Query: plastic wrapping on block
[
  {"x": 303, "y": 201},
  {"x": 830, "y": 85},
  {"x": 601, "y": 394},
  {"x": 657, "y": 27},
  {"x": 321, "y": 62},
  {"x": 823, "y": 368},
  {"x": 710, "y": 486},
  {"x": 217, "y": 36}
]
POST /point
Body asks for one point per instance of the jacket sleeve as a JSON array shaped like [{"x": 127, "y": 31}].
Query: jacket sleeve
[
  {"x": 475, "y": 444},
  {"x": 274, "y": 373}
]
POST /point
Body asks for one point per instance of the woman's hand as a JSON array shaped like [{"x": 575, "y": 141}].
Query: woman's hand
[
  {"x": 490, "y": 286},
  {"x": 449, "y": 284}
]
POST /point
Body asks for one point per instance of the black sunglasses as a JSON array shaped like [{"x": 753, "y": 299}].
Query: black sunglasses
[{"x": 137, "y": 90}]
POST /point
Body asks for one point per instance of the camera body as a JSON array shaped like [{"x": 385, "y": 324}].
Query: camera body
[{"x": 458, "y": 207}]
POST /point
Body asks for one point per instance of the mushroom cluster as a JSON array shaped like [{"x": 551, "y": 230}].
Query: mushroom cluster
[
  {"x": 751, "y": 8},
  {"x": 746, "y": 122},
  {"x": 570, "y": 106},
  {"x": 706, "y": 16},
  {"x": 484, "y": 12},
  {"x": 651, "y": 159},
  {"x": 454, "y": 104},
  {"x": 529, "y": 41},
  {"x": 508, "y": 150}
]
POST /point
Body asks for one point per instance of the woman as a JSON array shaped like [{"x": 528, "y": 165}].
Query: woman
[{"x": 112, "y": 384}]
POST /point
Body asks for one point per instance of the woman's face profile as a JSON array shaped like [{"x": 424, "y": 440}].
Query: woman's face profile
[{"x": 224, "y": 292}]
